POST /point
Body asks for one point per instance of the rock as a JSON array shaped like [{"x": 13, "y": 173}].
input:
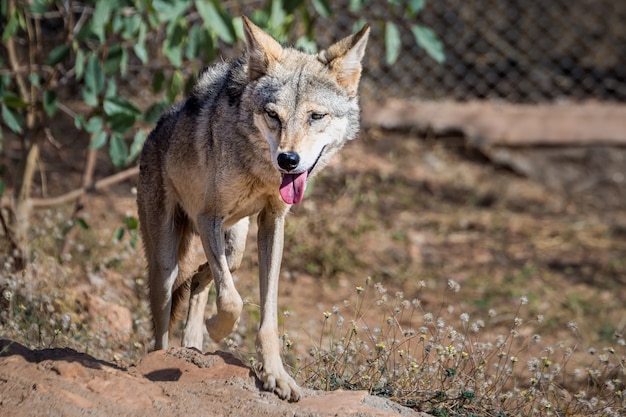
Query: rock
[{"x": 178, "y": 381}]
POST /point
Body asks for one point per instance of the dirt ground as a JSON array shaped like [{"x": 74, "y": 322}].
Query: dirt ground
[
  {"x": 179, "y": 381},
  {"x": 407, "y": 207}
]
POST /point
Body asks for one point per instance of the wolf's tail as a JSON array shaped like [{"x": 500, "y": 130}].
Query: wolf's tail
[{"x": 180, "y": 298}]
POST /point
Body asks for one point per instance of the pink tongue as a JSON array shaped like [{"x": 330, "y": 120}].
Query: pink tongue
[{"x": 293, "y": 186}]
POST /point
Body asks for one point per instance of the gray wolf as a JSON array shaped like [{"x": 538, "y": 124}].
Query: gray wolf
[{"x": 245, "y": 142}]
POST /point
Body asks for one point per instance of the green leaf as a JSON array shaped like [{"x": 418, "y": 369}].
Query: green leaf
[
  {"x": 94, "y": 81},
  {"x": 277, "y": 17},
  {"x": 170, "y": 9},
  {"x": 392, "y": 43},
  {"x": 155, "y": 111},
  {"x": 158, "y": 81},
  {"x": 79, "y": 64},
  {"x": 131, "y": 222},
  {"x": 118, "y": 151},
  {"x": 94, "y": 124},
  {"x": 13, "y": 119},
  {"x": 82, "y": 223},
  {"x": 141, "y": 52},
  {"x": 238, "y": 26},
  {"x": 90, "y": 97},
  {"x": 121, "y": 122},
  {"x": 117, "y": 24},
  {"x": 323, "y": 7},
  {"x": 121, "y": 114},
  {"x": 359, "y": 24},
  {"x": 50, "y": 102},
  {"x": 208, "y": 44},
  {"x": 140, "y": 46},
  {"x": 12, "y": 25},
  {"x": 176, "y": 31},
  {"x": 415, "y": 6},
  {"x": 98, "y": 139},
  {"x": 136, "y": 146},
  {"x": 429, "y": 41},
  {"x": 79, "y": 121},
  {"x": 57, "y": 55},
  {"x": 124, "y": 63},
  {"x": 260, "y": 17},
  {"x": 216, "y": 20},
  {"x": 194, "y": 41},
  {"x": 119, "y": 234},
  {"x": 131, "y": 26},
  {"x": 86, "y": 33},
  {"x": 111, "y": 90},
  {"x": 119, "y": 105},
  {"x": 34, "y": 79},
  {"x": 94, "y": 76},
  {"x": 38, "y": 7},
  {"x": 291, "y": 5},
  {"x": 100, "y": 18},
  {"x": 174, "y": 37},
  {"x": 175, "y": 87},
  {"x": 14, "y": 101},
  {"x": 113, "y": 59},
  {"x": 355, "y": 5}
]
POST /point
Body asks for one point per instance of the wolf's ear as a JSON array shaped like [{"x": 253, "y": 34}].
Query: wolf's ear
[
  {"x": 262, "y": 49},
  {"x": 344, "y": 59}
]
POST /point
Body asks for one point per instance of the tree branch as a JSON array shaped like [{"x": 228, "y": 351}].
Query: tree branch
[{"x": 95, "y": 186}]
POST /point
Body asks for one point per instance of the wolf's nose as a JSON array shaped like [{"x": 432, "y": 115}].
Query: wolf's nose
[{"x": 288, "y": 160}]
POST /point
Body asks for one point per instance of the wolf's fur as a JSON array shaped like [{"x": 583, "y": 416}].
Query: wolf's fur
[{"x": 242, "y": 143}]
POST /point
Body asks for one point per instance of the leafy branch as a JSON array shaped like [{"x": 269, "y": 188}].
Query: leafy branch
[{"x": 52, "y": 48}]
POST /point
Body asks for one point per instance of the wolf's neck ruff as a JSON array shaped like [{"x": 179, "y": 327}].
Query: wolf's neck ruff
[{"x": 293, "y": 187}]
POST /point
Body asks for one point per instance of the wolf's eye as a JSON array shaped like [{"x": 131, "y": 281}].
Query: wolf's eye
[
  {"x": 271, "y": 114},
  {"x": 317, "y": 116}
]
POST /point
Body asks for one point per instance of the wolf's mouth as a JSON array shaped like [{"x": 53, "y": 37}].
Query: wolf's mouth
[{"x": 293, "y": 185}]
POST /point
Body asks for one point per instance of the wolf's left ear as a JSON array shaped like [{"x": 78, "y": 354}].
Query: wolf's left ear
[
  {"x": 344, "y": 59},
  {"x": 263, "y": 50}
]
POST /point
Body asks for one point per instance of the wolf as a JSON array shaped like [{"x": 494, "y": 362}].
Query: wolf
[{"x": 245, "y": 142}]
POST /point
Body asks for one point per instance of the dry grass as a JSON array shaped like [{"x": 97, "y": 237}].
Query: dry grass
[{"x": 445, "y": 362}]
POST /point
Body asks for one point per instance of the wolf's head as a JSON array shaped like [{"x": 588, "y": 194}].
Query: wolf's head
[{"x": 305, "y": 105}]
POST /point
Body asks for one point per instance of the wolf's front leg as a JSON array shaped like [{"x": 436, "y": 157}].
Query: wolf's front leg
[
  {"x": 229, "y": 302},
  {"x": 270, "y": 239}
]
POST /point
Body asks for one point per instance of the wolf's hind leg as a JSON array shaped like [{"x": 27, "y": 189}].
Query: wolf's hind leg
[
  {"x": 164, "y": 236},
  {"x": 192, "y": 334}
]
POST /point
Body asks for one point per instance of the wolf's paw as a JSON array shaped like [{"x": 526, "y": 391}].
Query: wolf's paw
[
  {"x": 281, "y": 384},
  {"x": 219, "y": 328},
  {"x": 223, "y": 323}
]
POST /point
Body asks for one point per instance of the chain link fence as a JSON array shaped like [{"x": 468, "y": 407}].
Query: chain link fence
[{"x": 517, "y": 50}]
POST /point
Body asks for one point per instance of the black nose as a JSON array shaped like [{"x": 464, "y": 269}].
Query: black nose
[{"x": 288, "y": 160}]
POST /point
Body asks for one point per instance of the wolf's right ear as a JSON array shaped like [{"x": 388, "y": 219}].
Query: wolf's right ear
[{"x": 263, "y": 50}]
